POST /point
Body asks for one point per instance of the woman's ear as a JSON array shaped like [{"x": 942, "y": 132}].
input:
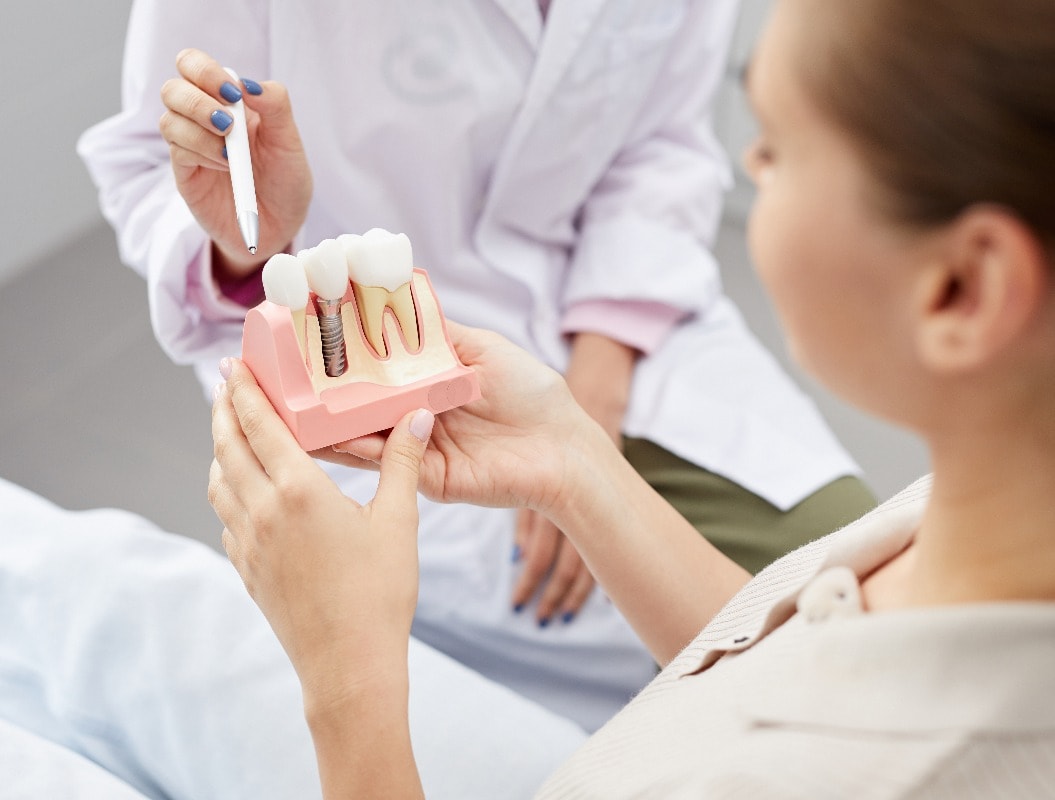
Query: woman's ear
[{"x": 986, "y": 286}]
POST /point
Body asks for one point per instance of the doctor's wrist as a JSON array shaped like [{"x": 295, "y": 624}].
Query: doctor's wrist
[
  {"x": 228, "y": 267},
  {"x": 238, "y": 279}
]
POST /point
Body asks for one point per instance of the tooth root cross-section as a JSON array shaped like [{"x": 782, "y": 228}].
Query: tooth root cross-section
[{"x": 372, "y": 302}]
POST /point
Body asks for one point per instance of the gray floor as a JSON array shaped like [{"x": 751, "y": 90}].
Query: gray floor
[{"x": 92, "y": 413}]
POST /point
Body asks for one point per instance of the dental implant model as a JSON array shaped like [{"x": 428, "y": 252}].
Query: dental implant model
[
  {"x": 338, "y": 361},
  {"x": 381, "y": 266},
  {"x": 285, "y": 284},
  {"x": 327, "y": 272}
]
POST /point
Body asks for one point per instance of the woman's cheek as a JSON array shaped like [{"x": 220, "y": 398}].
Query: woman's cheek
[
  {"x": 763, "y": 235},
  {"x": 777, "y": 248}
]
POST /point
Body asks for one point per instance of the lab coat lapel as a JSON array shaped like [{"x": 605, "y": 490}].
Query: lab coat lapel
[
  {"x": 525, "y": 15},
  {"x": 567, "y": 25}
]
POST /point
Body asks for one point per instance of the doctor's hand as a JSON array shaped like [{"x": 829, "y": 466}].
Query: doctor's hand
[
  {"x": 599, "y": 375},
  {"x": 194, "y": 124},
  {"x": 521, "y": 444},
  {"x": 337, "y": 581}
]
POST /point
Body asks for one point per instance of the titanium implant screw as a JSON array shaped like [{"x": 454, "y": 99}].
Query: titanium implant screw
[{"x": 331, "y": 329}]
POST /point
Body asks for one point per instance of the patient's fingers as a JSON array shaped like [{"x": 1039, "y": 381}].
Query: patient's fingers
[
  {"x": 335, "y": 456},
  {"x": 241, "y": 470},
  {"x": 233, "y": 549},
  {"x": 228, "y": 507},
  {"x": 471, "y": 344},
  {"x": 275, "y": 448},
  {"x": 367, "y": 449}
]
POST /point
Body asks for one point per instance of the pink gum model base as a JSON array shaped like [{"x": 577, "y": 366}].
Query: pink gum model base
[{"x": 271, "y": 350}]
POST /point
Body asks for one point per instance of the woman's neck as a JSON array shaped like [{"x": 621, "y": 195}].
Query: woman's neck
[{"x": 988, "y": 534}]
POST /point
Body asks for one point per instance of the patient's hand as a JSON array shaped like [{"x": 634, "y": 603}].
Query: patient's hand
[
  {"x": 511, "y": 448},
  {"x": 337, "y": 581}
]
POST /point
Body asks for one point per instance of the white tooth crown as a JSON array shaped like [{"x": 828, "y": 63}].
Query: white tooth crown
[
  {"x": 285, "y": 283},
  {"x": 379, "y": 258},
  {"x": 327, "y": 269}
]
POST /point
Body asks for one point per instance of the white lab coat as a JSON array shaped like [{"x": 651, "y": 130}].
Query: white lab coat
[{"x": 533, "y": 168}]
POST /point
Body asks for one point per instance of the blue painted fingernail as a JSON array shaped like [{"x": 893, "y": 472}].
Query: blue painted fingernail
[
  {"x": 230, "y": 92},
  {"x": 516, "y": 553},
  {"x": 224, "y": 152},
  {"x": 568, "y": 616},
  {"x": 518, "y": 608},
  {"x": 221, "y": 120},
  {"x": 544, "y": 622},
  {"x": 252, "y": 86}
]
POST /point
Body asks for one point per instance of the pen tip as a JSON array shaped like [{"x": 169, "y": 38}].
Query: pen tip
[{"x": 252, "y": 250}]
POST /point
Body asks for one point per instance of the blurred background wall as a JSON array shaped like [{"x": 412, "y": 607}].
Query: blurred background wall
[{"x": 60, "y": 68}]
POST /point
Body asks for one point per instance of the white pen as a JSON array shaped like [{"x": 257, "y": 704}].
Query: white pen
[{"x": 241, "y": 165}]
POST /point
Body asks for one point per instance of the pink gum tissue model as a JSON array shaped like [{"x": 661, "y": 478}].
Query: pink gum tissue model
[{"x": 351, "y": 338}]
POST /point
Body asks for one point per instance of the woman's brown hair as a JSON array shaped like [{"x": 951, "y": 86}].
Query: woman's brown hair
[{"x": 952, "y": 102}]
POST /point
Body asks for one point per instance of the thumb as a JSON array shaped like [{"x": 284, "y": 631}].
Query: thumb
[
  {"x": 271, "y": 102},
  {"x": 401, "y": 460}
]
